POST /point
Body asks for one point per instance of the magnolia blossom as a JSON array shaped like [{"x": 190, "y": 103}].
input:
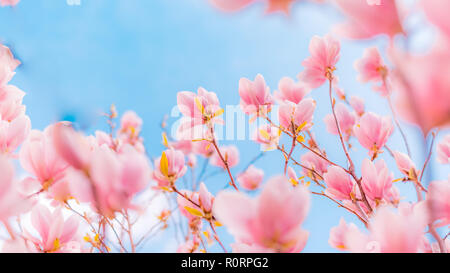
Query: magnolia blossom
[
  {"x": 371, "y": 68},
  {"x": 314, "y": 162},
  {"x": 443, "y": 150},
  {"x": 255, "y": 96},
  {"x": 7, "y": 63},
  {"x": 56, "y": 234},
  {"x": 13, "y": 133},
  {"x": 39, "y": 157},
  {"x": 438, "y": 200},
  {"x": 338, "y": 234},
  {"x": 297, "y": 116},
  {"x": 290, "y": 90},
  {"x": 268, "y": 136},
  {"x": 206, "y": 200},
  {"x": 230, "y": 155},
  {"x": 339, "y": 184},
  {"x": 320, "y": 65},
  {"x": 373, "y": 132},
  {"x": 357, "y": 104},
  {"x": 11, "y": 105},
  {"x": 272, "y": 220},
  {"x": 364, "y": 18},
  {"x": 376, "y": 179},
  {"x": 169, "y": 167},
  {"x": 198, "y": 109},
  {"x": 345, "y": 118},
  {"x": 406, "y": 165},
  {"x": 251, "y": 178}
]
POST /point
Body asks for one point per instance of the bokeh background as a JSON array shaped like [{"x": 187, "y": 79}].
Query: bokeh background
[{"x": 79, "y": 59}]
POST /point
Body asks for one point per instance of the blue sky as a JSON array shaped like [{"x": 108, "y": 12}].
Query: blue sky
[{"x": 137, "y": 54}]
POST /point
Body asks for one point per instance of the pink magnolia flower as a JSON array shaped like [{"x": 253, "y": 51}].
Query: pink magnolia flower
[
  {"x": 290, "y": 91},
  {"x": 255, "y": 96},
  {"x": 373, "y": 132},
  {"x": 435, "y": 11},
  {"x": 169, "y": 167},
  {"x": 7, "y": 62},
  {"x": 364, "y": 18},
  {"x": 443, "y": 150},
  {"x": 320, "y": 65},
  {"x": 39, "y": 157},
  {"x": 12, "y": 201},
  {"x": 357, "y": 104},
  {"x": 183, "y": 203},
  {"x": 406, "y": 165},
  {"x": 13, "y": 133},
  {"x": 371, "y": 68},
  {"x": 251, "y": 179},
  {"x": 339, "y": 184},
  {"x": 397, "y": 232},
  {"x": 230, "y": 155},
  {"x": 203, "y": 148},
  {"x": 198, "y": 109},
  {"x": 292, "y": 116},
  {"x": 345, "y": 118},
  {"x": 55, "y": 233},
  {"x": 111, "y": 180},
  {"x": 11, "y": 105},
  {"x": 268, "y": 136},
  {"x": 8, "y": 2},
  {"x": 376, "y": 179},
  {"x": 72, "y": 146},
  {"x": 314, "y": 162},
  {"x": 339, "y": 234},
  {"x": 438, "y": 200},
  {"x": 273, "y": 220},
  {"x": 422, "y": 91},
  {"x": 130, "y": 127}
]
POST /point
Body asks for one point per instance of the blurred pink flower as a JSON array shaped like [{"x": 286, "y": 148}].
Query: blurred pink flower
[
  {"x": 371, "y": 68},
  {"x": 364, "y": 18},
  {"x": 255, "y": 96},
  {"x": 230, "y": 154},
  {"x": 290, "y": 91},
  {"x": 357, "y": 104},
  {"x": 13, "y": 133},
  {"x": 169, "y": 167},
  {"x": 320, "y": 66},
  {"x": 8, "y": 2},
  {"x": 373, "y": 132},
  {"x": 251, "y": 178},
  {"x": 7, "y": 62},
  {"x": 12, "y": 201},
  {"x": 406, "y": 165},
  {"x": 292, "y": 116},
  {"x": 339, "y": 184},
  {"x": 273, "y": 220},
  {"x": 345, "y": 118},
  {"x": 315, "y": 162},
  {"x": 376, "y": 179},
  {"x": 435, "y": 11},
  {"x": 338, "y": 234},
  {"x": 11, "y": 105},
  {"x": 438, "y": 200},
  {"x": 443, "y": 150},
  {"x": 268, "y": 136}
]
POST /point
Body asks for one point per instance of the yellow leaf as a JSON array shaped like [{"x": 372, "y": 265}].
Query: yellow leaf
[
  {"x": 199, "y": 105},
  {"x": 56, "y": 244},
  {"x": 194, "y": 212},
  {"x": 217, "y": 224},
  {"x": 397, "y": 180},
  {"x": 164, "y": 164},
  {"x": 219, "y": 112},
  {"x": 264, "y": 134},
  {"x": 300, "y": 139}
]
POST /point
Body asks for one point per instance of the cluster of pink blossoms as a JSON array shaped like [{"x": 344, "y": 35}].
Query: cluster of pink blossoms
[{"x": 80, "y": 192}]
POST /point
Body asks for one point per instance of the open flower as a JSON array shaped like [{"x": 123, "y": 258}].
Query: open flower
[
  {"x": 346, "y": 120},
  {"x": 290, "y": 90},
  {"x": 314, "y": 162},
  {"x": 268, "y": 136},
  {"x": 376, "y": 179},
  {"x": 272, "y": 221},
  {"x": 255, "y": 96},
  {"x": 169, "y": 168},
  {"x": 373, "y": 132},
  {"x": 339, "y": 184},
  {"x": 230, "y": 155},
  {"x": 297, "y": 117},
  {"x": 13, "y": 133},
  {"x": 319, "y": 67},
  {"x": 371, "y": 68}
]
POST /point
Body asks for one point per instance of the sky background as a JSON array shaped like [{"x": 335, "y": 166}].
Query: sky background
[{"x": 137, "y": 54}]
